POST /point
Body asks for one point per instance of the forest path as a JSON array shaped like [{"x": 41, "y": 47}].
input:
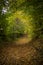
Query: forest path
[
  {"x": 22, "y": 40},
  {"x": 17, "y": 54}
]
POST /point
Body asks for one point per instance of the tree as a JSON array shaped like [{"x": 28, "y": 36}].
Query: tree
[
  {"x": 3, "y": 21},
  {"x": 31, "y": 8}
]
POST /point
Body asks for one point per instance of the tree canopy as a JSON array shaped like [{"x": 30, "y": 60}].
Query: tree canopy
[{"x": 21, "y": 16}]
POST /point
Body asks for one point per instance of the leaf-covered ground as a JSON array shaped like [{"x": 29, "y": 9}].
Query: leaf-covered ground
[{"x": 17, "y": 53}]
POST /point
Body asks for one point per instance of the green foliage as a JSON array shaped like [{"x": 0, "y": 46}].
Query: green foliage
[{"x": 22, "y": 16}]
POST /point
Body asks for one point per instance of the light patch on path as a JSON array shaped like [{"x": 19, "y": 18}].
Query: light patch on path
[{"x": 23, "y": 40}]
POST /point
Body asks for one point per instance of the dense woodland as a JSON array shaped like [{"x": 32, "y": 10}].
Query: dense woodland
[
  {"x": 21, "y": 32},
  {"x": 18, "y": 18}
]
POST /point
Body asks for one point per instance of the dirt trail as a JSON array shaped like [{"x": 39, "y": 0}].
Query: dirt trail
[
  {"x": 23, "y": 40},
  {"x": 17, "y": 54}
]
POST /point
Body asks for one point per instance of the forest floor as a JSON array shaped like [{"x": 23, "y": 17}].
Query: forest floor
[{"x": 22, "y": 52}]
